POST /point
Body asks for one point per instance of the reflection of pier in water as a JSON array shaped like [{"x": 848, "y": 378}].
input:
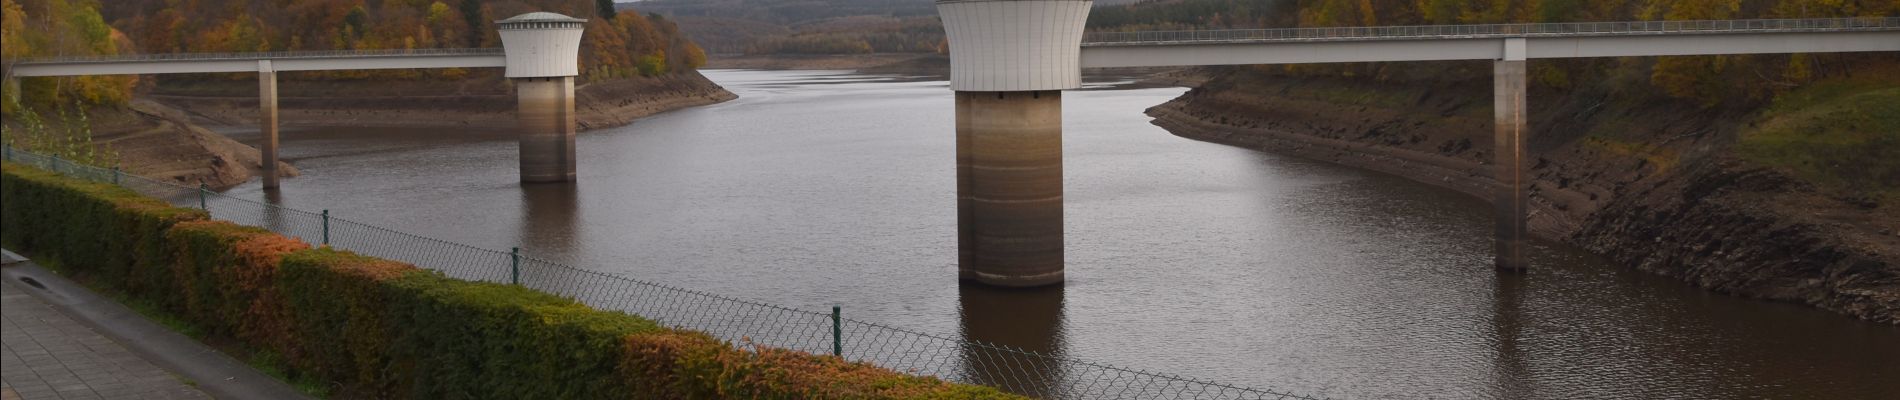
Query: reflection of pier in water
[
  {"x": 1507, "y": 306},
  {"x": 549, "y": 213},
  {"x": 1028, "y": 319}
]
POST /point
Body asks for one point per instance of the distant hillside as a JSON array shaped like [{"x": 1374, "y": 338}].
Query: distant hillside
[
  {"x": 808, "y": 27},
  {"x": 804, "y": 26}
]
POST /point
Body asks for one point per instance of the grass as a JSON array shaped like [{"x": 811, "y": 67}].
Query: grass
[
  {"x": 1843, "y": 135},
  {"x": 271, "y": 363},
  {"x": 1662, "y": 159}
]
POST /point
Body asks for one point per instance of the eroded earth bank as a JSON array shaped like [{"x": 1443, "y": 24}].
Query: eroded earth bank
[{"x": 1674, "y": 187}]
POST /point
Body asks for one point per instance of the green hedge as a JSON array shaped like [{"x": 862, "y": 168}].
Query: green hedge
[
  {"x": 381, "y": 329},
  {"x": 107, "y": 234}
]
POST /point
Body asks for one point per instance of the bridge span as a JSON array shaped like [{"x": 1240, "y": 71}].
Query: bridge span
[
  {"x": 1010, "y": 60},
  {"x": 1488, "y": 42},
  {"x": 540, "y": 54}
]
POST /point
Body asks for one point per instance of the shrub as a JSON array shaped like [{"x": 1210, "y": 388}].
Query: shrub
[
  {"x": 339, "y": 302},
  {"x": 227, "y": 277},
  {"x": 101, "y": 233},
  {"x": 691, "y": 365}
]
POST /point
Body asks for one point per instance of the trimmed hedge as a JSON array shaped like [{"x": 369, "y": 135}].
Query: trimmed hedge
[
  {"x": 105, "y": 234},
  {"x": 383, "y": 329}
]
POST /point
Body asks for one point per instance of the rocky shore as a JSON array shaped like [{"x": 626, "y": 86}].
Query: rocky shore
[{"x": 1656, "y": 185}]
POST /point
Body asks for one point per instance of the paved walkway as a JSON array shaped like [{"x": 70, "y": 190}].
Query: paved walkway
[{"x": 51, "y": 356}]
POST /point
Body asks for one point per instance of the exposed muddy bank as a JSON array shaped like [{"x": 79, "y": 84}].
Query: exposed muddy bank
[
  {"x": 160, "y": 142},
  {"x": 484, "y": 103},
  {"x": 1652, "y": 184}
]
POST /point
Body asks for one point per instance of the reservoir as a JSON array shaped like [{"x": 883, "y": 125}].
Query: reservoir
[{"x": 816, "y": 189}]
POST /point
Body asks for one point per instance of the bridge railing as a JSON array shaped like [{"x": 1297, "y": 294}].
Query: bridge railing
[
  {"x": 265, "y": 55},
  {"x": 745, "y": 322},
  {"x": 1500, "y": 30}
]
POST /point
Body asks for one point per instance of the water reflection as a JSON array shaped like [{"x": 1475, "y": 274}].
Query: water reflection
[
  {"x": 1507, "y": 325},
  {"x": 549, "y": 214},
  {"x": 1023, "y": 319}
]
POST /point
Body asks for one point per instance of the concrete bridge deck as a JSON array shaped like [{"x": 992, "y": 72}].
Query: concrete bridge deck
[
  {"x": 188, "y": 63},
  {"x": 1568, "y": 29},
  {"x": 1488, "y": 42}
]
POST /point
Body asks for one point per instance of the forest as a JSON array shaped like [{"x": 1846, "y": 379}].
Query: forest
[
  {"x": 618, "y": 43},
  {"x": 807, "y": 26}
]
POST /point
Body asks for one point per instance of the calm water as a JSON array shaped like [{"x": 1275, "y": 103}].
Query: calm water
[{"x": 822, "y": 188}]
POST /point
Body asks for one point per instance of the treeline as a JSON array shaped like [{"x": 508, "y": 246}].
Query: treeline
[
  {"x": 617, "y": 43},
  {"x": 857, "y": 35},
  {"x": 33, "y": 28},
  {"x": 1194, "y": 14},
  {"x": 1709, "y": 80},
  {"x": 807, "y": 26}
]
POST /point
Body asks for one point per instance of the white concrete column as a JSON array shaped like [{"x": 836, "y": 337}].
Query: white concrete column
[
  {"x": 1010, "y": 60},
  {"x": 543, "y": 59}
]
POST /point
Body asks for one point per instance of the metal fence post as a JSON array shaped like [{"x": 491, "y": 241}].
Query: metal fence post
[
  {"x": 326, "y": 227},
  {"x": 837, "y": 333},
  {"x": 202, "y": 190},
  {"x": 514, "y": 267}
]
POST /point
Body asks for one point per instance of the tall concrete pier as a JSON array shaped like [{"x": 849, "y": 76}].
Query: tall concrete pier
[
  {"x": 1009, "y": 62},
  {"x": 1512, "y": 202},
  {"x": 545, "y": 110},
  {"x": 267, "y": 118},
  {"x": 543, "y": 58},
  {"x": 1009, "y": 187}
]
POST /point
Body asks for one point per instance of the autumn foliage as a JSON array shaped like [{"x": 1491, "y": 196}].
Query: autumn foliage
[{"x": 35, "y": 28}]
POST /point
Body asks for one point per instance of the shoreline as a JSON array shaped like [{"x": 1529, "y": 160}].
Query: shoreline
[
  {"x": 598, "y": 106},
  {"x": 1686, "y": 209}
]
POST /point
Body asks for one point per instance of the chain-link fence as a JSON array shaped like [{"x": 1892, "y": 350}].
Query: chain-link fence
[{"x": 742, "y": 321}]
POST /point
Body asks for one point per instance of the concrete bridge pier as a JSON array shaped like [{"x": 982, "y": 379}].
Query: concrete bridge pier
[
  {"x": 543, "y": 52},
  {"x": 545, "y": 109},
  {"x": 267, "y": 121},
  {"x": 1010, "y": 60},
  {"x": 1009, "y": 187},
  {"x": 1512, "y": 201}
]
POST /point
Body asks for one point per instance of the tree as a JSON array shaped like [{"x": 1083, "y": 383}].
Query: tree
[
  {"x": 605, "y": 9},
  {"x": 473, "y": 16}
]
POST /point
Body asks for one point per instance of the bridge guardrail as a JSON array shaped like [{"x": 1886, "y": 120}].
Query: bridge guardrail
[
  {"x": 266, "y": 55},
  {"x": 740, "y": 321},
  {"x": 1485, "y": 31}
]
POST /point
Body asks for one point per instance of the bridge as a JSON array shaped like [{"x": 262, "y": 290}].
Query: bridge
[
  {"x": 1011, "y": 59},
  {"x": 540, "y": 55},
  {"x": 1487, "y": 42}
]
